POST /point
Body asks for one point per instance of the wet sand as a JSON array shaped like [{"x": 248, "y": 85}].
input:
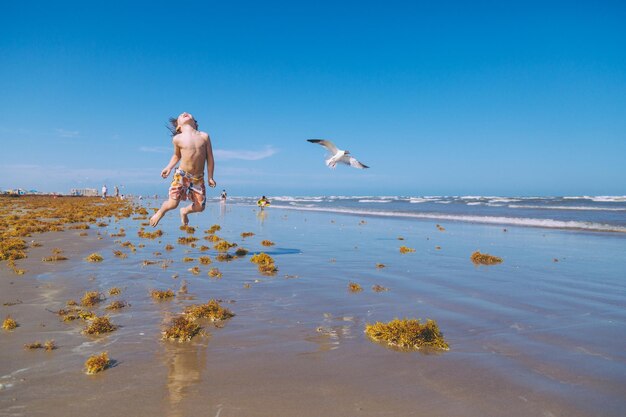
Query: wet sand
[{"x": 529, "y": 337}]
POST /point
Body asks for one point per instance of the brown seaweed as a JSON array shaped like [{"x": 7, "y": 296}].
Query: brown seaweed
[
  {"x": 379, "y": 288},
  {"x": 211, "y": 310},
  {"x": 214, "y": 273},
  {"x": 162, "y": 294},
  {"x": 99, "y": 325},
  {"x": 409, "y": 334},
  {"x": 94, "y": 257},
  {"x": 405, "y": 249},
  {"x": 9, "y": 323},
  {"x": 181, "y": 329},
  {"x": 485, "y": 259},
  {"x": 205, "y": 260},
  {"x": 97, "y": 363}
]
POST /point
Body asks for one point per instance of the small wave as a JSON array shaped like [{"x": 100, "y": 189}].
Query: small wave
[
  {"x": 474, "y": 203},
  {"x": 504, "y": 200},
  {"x": 298, "y": 199},
  {"x": 514, "y": 221},
  {"x": 374, "y": 201},
  {"x": 599, "y": 198},
  {"x": 609, "y": 198},
  {"x": 425, "y": 199},
  {"x": 582, "y": 208}
]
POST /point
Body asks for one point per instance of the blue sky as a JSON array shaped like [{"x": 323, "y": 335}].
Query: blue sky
[{"x": 439, "y": 98}]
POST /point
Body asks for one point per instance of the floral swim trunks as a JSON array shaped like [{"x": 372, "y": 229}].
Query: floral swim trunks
[{"x": 187, "y": 187}]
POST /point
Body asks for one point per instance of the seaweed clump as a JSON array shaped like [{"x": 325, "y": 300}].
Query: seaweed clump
[
  {"x": 161, "y": 295},
  {"x": 406, "y": 249},
  {"x": 56, "y": 256},
  {"x": 189, "y": 229},
  {"x": 187, "y": 240},
  {"x": 213, "y": 229},
  {"x": 94, "y": 257},
  {"x": 354, "y": 287},
  {"x": 379, "y": 288},
  {"x": 97, "y": 363},
  {"x": 49, "y": 345},
  {"x": 12, "y": 249},
  {"x": 265, "y": 263},
  {"x": 410, "y": 334},
  {"x": 9, "y": 323},
  {"x": 149, "y": 235},
  {"x": 214, "y": 273},
  {"x": 115, "y": 291},
  {"x": 204, "y": 260},
  {"x": 91, "y": 298},
  {"x": 246, "y": 234},
  {"x": 223, "y": 245},
  {"x": 224, "y": 257},
  {"x": 119, "y": 254},
  {"x": 241, "y": 252},
  {"x": 211, "y": 310},
  {"x": 100, "y": 325},
  {"x": 267, "y": 243},
  {"x": 181, "y": 329},
  {"x": 485, "y": 259}
]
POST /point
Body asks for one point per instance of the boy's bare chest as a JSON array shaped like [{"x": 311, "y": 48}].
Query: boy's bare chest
[{"x": 191, "y": 143}]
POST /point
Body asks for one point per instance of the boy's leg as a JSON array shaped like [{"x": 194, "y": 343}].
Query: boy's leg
[
  {"x": 194, "y": 208},
  {"x": 165, "y": 207}
]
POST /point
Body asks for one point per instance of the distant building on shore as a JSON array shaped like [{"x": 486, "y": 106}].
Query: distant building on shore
[{"x": 86, "y": 192}]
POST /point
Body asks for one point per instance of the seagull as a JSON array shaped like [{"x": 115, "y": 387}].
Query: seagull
[{"x": 338, "y": 155}]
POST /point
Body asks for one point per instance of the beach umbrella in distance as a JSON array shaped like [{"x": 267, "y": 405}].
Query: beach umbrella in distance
[{"x": 337, "y": 155}]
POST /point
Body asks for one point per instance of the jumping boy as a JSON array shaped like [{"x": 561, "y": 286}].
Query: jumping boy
[{"x": 192, "y": 148}]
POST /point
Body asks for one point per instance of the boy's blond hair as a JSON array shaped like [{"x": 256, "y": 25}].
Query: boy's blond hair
[{"x": 174, "y": 128}]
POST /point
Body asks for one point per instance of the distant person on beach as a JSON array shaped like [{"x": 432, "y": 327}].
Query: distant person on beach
[
  {"x": 263, "y": 202},
  {"x": 193, "y": 149},
  {"x": 117, "y": 192},
  {"x": 104, "y": 191},
  {"x": 224, "y": 195}
]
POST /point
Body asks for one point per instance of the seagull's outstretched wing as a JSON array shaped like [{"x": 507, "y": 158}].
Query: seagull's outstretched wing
[
  {"x": 356, "y": 164},
  {"x": 348, "y": 160},
  {"x": 325, "y": 143}
]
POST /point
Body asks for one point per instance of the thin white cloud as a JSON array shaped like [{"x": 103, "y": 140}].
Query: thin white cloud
[
  {"x": 67, "y": 133},
  {"x": 244, "y": 155}
]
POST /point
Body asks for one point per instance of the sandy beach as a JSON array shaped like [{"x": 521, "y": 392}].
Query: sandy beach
[{"x": 539, "y": 335}]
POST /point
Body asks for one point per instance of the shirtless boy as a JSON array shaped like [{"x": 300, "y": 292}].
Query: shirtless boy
[{"x": 193, "y": 149}]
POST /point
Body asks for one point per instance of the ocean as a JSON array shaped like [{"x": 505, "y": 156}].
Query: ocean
[{"x": 592, "y": 213}]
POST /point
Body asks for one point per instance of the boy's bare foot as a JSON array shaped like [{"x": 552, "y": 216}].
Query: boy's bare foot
[
  {"x": 154, "y": 220},
  {"x": 183, "y": 217}
]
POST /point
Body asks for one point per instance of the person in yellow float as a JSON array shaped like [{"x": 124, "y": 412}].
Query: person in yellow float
[{"x": 263, "y": 202}]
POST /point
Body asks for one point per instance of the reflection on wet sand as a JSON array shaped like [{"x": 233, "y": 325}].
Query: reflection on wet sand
[
  {"x": 186, "y": 363},
  {"x": 222, "y": 209},
  {"x": 261, "y": 215},
  {"x": 330, "y": 336}
]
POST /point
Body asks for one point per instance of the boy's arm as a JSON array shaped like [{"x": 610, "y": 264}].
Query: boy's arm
[
  {"x": 173, "y": 161},
  {"x": 210, "y": 162}
]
